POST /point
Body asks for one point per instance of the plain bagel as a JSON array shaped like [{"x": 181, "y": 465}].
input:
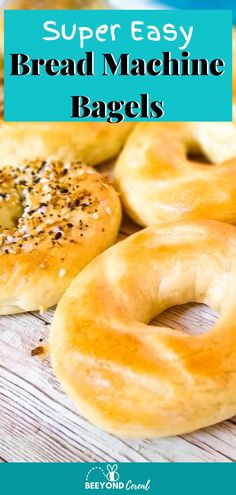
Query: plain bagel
[
  {"x": 136, "y": 380},
  {"x": 55, "y": 217},
  {"x": 161, "y": 178},
  {"x": 90, "y": 142}
]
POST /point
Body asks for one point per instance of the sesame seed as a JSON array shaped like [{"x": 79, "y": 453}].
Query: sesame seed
[{"x": 62, "y": 272}]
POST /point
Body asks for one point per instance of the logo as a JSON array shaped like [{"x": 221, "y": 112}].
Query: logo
[{"x": 98, "y": 479}]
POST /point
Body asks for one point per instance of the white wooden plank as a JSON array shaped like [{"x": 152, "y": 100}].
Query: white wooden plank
[{"x": 39, "y": 423}]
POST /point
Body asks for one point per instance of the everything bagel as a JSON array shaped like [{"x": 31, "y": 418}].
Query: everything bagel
[
  {"x": 55, "y": 217},
  {"x": 161, "y": 178},
  {"x": 90, "y": 142},
  {"x": 137, "y": 380}
]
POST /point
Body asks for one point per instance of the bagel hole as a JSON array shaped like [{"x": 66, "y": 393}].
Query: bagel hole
[
  {"x": 191, "y": 318},
  {"x": 197, "y": 155},
  {"x": 10, "y": 215}
]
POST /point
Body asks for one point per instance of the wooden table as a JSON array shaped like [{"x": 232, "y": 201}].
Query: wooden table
[{"x": 38, "y": 423}]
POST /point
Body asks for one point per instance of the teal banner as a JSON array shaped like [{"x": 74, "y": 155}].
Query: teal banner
[
  {"x": 122, "y": 478},
  {"x": 118, "y": 65}
]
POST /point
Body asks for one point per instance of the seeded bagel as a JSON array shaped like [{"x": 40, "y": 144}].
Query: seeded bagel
[{"x": 55, "y": 217}]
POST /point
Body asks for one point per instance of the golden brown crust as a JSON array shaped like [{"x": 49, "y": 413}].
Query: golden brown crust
[
  {"x": 137, "y": 380},
  {"x": 52, "y": 4},
  {"x": 159, "y": 182},
  {"x": 55, "y": 218},
  {"x": 90, "y": 142}
]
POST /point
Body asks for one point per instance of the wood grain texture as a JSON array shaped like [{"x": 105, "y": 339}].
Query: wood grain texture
[{"x": 38, "y": 423}]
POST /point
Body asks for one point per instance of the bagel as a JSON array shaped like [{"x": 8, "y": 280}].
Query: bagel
[
  {"x": 54, "y": 219},
  {"x": 160, "y": 181},
  {"x": 52, "y": 4},
  {"x": 91, "y": 142},
  {"x": 143, "y": 381}
]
